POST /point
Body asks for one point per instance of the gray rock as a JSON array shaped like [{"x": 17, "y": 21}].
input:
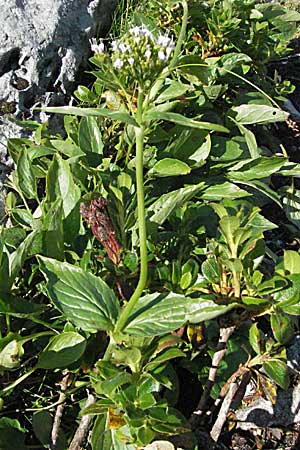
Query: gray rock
[
  {"x": 43, "y": 45},
  {"x": 261, "y": 413},
  {"x": 293, "y": 355}
]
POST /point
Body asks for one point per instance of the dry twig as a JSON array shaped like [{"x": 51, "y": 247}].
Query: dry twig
[
  {"x": 59, "y": 412},
  {"x": 222, "y": 416},
  {"x": 219, "y": 354},
  {"x": 83, "y": 426}
]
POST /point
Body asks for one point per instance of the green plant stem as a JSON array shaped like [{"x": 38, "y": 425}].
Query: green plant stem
[
  {"x": 139, "y": 168},
  {"x": 17, "y": 381},
  {"x": 7, "y": 319},
  {"x": 181, "y": 36}
]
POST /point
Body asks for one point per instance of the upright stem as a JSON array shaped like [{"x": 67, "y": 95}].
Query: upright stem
[
  {"x": 142, "y": 103},
  {"x": 181, "y": 36},
  {"x": 139, "y": 169}
]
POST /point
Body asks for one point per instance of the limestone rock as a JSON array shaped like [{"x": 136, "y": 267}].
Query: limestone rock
[
  {"x": 43, "y": 45},
  {"x": 261, "y": 413}
]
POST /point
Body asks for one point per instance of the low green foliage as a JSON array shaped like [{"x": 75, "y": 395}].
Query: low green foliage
[{"x": 139, "y": 236}]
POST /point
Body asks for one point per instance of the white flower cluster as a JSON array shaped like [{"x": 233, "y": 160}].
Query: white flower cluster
[
  {"x": 98, "y": 48},
  {"x": 139, "y": 55}
]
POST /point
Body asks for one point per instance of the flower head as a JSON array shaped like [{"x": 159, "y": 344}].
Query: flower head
[
  {"x": 118, "y": 63},
  {"x": 141, "y": 54},
  {"x": 161, "y": 55},
  {"x": 97, "y": 47}
]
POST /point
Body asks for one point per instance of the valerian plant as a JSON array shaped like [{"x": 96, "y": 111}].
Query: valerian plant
[{"x": 168, "y": 271}]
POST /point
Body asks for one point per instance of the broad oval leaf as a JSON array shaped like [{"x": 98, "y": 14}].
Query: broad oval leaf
[
  {"x": 60, "y": 184},
  {"x": 156, "y": 314},
  {"x": 255, "y": 338},
  {"x": 165, "y": 355},
  {"x": 258, "y": 114},
  {"x": 83, "y": 298},
  {"x": 205, "y": 308},
  {"x": 172, "y": 91},
  {"x": 277, "y": 370},
  {"x": 282, "y": 327},
  {"x": 26, "y": 178},
  {"x": 211, "y": 270},
  {"x": 89, "y": 136},
  {"x": 169, "y": 167},
  {"x": 167, "y": 203},
  {"x": 291, "y": 261},
  {"x": 215, "y": 191},
  {"x": 62, "y": 350}
]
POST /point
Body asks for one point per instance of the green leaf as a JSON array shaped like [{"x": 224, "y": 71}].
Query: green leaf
[
  {"x": 127, "y": 356},
  {"x": 165, "y": 355},
  {"x": 184, "y": 121},
  {"x": 291, "y": 202},
  {"x": 261, "y": 187},
  {"x": 111, "y": 384},
  {"x": 42, "y": 423},
  {"x": 262, "y": 167},
  {"x": 167, "y": 203},
  {"x": 258, "y": 114},
  {"x": 156, "y": 314},
  {"x": 229, "y": 225},
  {"x": 4, "y": 266},
  {"x": 211, "y": 270},
  {"x": 101, "y": 434},
  {"x": 53, "y": 235},
  {"x": 90, "y": 137},
  {"x": 83, "y": 298},
  {"x": 60, "y": 185},
  {"x": 16, "y": 261},
  {"x": 215, "y": 191},
  {"x": 172, "y": 91},
  {"x": 282, "y": 328},
  {"x": 11, "y": 354},
  {"x": 204, "y": 308},
  {"x": 291, "y": 261},
  {"x": 18, "y": 307},
  {"x": 12, "y": 237},
  {"x": 26, "y": 178},
  {"x": 250, "y": 140},
  {"x": 198, "y": 157},
  {"x": 84, "y": 94},
  {"x": 194, "y": 69},
  {"x": 290, "y": 169},
  {"x": 62, "y": 351},
  {"x": 12, "y": 435},
  {"x": 67, "y": 147},
  {"x": 255, "y": 338},
  {"x": 86, "y": 112},
  {"x": 277, "y": 370},
  {"x": 232, "y": 61},
  {"x": 169, "y": 167}
]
